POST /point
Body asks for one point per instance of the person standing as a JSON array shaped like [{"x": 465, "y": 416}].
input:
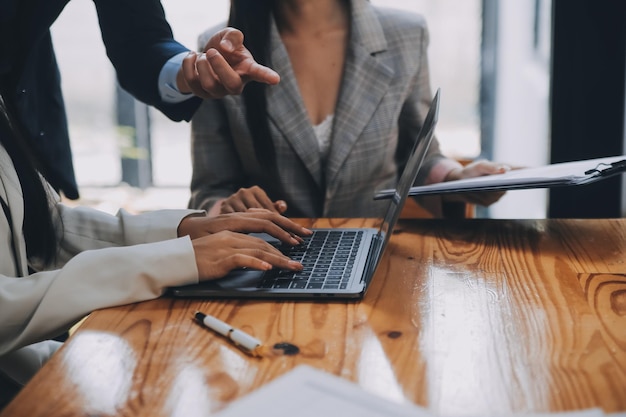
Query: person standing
[{"x": 149, "y": 63}]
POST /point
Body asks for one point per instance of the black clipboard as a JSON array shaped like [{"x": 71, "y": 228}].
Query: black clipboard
[{"x": 548, "y": 176}]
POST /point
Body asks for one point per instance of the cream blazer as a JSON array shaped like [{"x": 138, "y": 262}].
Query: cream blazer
[
  {"x": 94, "y": 271},
  {"x": 384, "y": 97}
]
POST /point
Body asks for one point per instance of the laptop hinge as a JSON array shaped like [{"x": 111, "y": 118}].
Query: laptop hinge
[{"x": 372, "y": 253}]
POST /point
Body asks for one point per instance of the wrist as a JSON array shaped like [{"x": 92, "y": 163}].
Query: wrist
[
  {"x": 441, "y": 171},
  {"x": 453, "y": 175},
  {"x": 216, "y": 209},
  {"x": 185, "y": 227},
  {"x": 181, "y": 83}
]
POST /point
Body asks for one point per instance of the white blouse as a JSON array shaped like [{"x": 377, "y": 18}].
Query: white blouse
[{"x": 323, "y": 132}]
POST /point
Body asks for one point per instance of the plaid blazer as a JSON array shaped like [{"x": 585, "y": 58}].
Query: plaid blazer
[{"x": 383, "y": 99}]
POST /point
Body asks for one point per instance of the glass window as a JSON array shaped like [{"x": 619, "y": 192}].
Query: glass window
[{"x": 454, "y": 58}]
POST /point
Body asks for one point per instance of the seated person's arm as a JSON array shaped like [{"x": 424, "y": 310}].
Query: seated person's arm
[
  {"x": 110, "y": 266},
  {"x": 453, "y": 205}
]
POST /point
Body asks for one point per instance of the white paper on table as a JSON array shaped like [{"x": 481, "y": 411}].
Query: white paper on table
[{"x": 308, "y": 392}]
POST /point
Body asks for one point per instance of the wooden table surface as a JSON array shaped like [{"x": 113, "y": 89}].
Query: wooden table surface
[{"x": 467, "y": 317}]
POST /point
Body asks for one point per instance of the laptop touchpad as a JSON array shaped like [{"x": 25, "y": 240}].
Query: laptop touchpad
[{"x": 239, "y": 279}]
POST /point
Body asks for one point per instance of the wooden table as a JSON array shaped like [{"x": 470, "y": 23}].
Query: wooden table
[{"x": 466, "y": 317}]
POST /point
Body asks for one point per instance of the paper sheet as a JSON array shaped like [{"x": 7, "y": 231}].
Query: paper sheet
[{"x": 308, "y": 392}]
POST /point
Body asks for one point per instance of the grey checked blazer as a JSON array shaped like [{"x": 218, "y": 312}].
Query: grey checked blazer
[{"x": 383, "y": 100}]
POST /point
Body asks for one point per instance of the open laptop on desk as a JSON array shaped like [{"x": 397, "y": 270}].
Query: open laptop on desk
[{"x": 338, "y": 263}]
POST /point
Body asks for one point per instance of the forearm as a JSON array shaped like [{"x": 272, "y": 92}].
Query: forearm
[{"x": 139, "y": 42}]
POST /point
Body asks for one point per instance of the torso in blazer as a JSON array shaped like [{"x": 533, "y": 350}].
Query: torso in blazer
[{"x": 383, "y": 99}]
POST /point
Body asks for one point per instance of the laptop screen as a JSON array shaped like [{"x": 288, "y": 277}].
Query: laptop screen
[{"x": 405, "y": 182}]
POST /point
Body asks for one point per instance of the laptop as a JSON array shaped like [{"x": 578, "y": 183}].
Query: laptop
[{"x": 338, "y": 263}]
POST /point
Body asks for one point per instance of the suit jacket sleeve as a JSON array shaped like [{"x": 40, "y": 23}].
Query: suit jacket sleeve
[{"x": 139, "y": 41}]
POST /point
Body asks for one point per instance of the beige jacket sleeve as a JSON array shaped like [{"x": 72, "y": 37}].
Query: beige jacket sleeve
[
  {"x": 104, "y": 261},
  {"x": 96, "y": 273}
]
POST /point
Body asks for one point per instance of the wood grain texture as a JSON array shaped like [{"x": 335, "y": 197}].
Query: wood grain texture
[{"x": 465, "y": 317}]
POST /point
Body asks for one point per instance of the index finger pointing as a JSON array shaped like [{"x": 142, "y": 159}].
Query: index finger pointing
[{"x": 260, "y": 73}]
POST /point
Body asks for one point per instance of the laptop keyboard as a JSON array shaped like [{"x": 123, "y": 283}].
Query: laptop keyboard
[{"x": 328, "y": 259}]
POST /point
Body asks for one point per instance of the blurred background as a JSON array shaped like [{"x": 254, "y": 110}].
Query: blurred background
[{"x": 491, "y": 58}]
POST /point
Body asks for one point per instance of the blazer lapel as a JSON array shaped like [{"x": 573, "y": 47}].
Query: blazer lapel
[
  {"x": 285, "y": 109},
  {"x": 365, "y": 81}
]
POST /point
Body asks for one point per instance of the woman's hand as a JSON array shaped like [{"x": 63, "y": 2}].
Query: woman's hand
[
  {"x": 224, "y": 67},
  {"x": 219, "y": 253},
  {"x": 253, "y": 220},
  {"x": 476, "y": 169},
  {"x": 253, "y": 197}
]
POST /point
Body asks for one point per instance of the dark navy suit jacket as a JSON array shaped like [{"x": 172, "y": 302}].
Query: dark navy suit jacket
[{"x": 138, "y": 42}]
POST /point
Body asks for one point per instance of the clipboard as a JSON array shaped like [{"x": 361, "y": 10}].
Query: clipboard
[{"x": 548, "y": 176}]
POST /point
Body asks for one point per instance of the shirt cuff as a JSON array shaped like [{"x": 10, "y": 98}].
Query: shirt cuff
[
  {"x": 440, "y": 171},
  {"x": 167, "y": 80}
]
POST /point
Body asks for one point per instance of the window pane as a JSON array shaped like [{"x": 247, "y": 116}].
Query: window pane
[
  {"x": 454, "y": 59},
  {"x": 88, "y": 83}
]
